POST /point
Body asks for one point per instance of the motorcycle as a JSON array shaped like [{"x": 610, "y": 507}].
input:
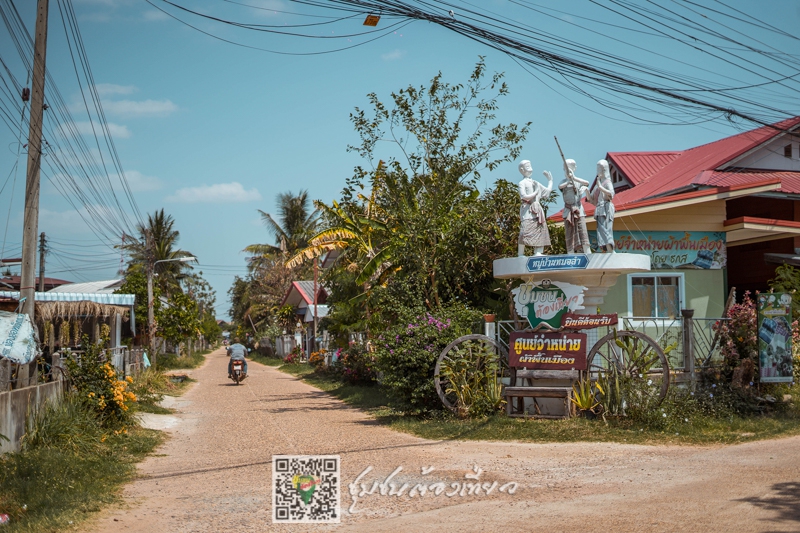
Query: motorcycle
[{"x": 237, "y": 371}]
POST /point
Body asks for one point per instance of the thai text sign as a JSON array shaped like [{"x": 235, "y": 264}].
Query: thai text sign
[
  {"x": 547, "y": 351},
  {"x": 775, "y": 337},
  {"x": 699, "y": 250},
  {"x": 573, "y": 321},
  {"x": 541, "y": 263},
  {"x": 547, "y": 302}
]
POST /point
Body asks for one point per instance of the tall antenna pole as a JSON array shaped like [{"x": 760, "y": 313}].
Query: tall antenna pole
[{"x": 31, "y": 220}]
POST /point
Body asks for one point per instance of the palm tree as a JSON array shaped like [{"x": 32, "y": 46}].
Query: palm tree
[
  {"x": 295, "y": 226},
  {"x": 157, "y": 241}
]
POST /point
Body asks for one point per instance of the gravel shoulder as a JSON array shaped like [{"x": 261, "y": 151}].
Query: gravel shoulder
[{"x": 214, "y": 473}]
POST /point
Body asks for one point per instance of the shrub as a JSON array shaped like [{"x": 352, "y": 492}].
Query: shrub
[
  {"x": 317, "y": 359},
  {"x": 97, "y": 384},
  {"x": 295, "y": 356},
  {"x": 406, "y": 354},
  {"x": 357, "y": 365}
]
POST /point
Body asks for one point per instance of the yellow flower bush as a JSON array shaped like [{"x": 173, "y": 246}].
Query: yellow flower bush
[{"x": 96, "y": 381}]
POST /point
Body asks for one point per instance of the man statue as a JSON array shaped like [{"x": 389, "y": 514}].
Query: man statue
[
  {"x": 573, "y": 189},
  {"x": 601, "y": 196},
  {"x": 533, "y": 226}
]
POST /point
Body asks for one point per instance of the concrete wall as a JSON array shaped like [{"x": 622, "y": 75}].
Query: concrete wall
[{"x": 16, "y": 405}]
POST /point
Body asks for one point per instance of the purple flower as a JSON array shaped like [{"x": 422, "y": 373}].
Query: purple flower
[
  {"x": 714, "y": 386},
  {"x": 710, "y": 395}
]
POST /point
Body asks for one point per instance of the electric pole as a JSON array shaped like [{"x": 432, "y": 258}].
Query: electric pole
[
  {"x": 42, "y": 253},
  {"x": 31, "y": 219}
]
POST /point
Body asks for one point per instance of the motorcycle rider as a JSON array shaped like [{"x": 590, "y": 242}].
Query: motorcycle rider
[{"x": 238, "y": 352}]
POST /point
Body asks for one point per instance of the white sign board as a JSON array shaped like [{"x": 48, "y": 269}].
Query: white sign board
[{"x": 18, "y": 338}]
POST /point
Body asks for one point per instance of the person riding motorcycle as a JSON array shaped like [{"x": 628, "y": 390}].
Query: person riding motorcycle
[{"x": 236, "y": 352}]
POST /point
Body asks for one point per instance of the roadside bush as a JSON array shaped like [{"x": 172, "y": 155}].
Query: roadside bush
[
  {"x": 317, "y": 359},
  {"x": 295, "y": 356},
  {"x": 357, "y": 365},
  {"x": 96, "y": 383},
  {"x": 406, "y": 354}
]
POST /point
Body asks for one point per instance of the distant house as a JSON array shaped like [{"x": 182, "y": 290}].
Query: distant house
[
  {"x": 301, "y": 297},
  {"x": 720, "y": 215},
  {"x": 13, "y": 283}
]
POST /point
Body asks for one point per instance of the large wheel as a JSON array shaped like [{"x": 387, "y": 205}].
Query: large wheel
[
  {"x": 471, "y": 357},
  {"x": 635, "y": 359}
]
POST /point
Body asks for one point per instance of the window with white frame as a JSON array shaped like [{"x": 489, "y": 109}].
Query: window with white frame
[{"x": 655, "y": 295}]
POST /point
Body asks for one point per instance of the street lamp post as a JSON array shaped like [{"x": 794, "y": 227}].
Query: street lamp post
[{"x": 151, "y": 319}]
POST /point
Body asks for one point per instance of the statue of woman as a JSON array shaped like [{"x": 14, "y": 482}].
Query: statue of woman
[
  {"x": 573, "y": 189},
  {"x": 601, "y": 196},
  {"x": 533, "y": 226}
]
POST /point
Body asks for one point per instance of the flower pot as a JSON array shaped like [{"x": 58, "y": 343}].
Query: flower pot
[{"x": 488, "y": 318}]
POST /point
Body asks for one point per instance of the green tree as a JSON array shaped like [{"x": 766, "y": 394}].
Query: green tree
[
  {"x": 157, "y": 240},
  {"x": 136, "y": 283},
  {"x": 295, "y": 225},
  {"x": 179, "y": 320},
  {"x": 418, "y": 229}
]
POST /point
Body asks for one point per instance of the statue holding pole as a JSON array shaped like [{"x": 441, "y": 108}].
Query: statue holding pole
[{"x": 573, "y": 189}]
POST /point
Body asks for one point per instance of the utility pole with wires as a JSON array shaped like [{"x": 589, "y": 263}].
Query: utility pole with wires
[
  {"x": 31, "y": 219},
  {"x": 42, "y": 253}
]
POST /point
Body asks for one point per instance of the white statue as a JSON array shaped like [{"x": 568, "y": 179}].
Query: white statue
[
  {"x": 533, "y": 226},
  {"x": 573, "y": 189},
  {"x": 601, "y": 196}
]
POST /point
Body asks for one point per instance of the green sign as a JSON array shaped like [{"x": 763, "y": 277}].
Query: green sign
[
  {"x": 775, "y": 337},
  {"x": 547, "y": 302}
]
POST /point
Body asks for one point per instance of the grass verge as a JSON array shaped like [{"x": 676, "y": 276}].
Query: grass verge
[
  {"x": 701, "y": 431},
  {"x": 69, "y": 467},
  {"x": 171, "y": 361}
]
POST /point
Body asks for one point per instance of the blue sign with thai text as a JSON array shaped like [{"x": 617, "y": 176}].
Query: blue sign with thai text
[{"x": 541, "y": 263}]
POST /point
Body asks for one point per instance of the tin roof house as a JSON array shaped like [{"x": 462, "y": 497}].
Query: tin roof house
[{"x": 720, "y": 215}]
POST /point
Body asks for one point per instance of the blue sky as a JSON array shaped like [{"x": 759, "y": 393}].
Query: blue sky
[{"x": 212, "y": 132}]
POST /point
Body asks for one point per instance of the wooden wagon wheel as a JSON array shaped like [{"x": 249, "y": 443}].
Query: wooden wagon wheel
[
  {"x": 635, "y": 357},
  {"x": 475, "y": 350}
]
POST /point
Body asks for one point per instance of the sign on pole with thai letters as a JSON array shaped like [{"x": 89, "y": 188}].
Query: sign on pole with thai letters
[
  {"x": 540, "y": 263},
  {"x": 775, "y": 337},
  {"x": 573, "y": 321},
  {"x": 547, "y": 301},
  {"x": 547, "y": 351}
]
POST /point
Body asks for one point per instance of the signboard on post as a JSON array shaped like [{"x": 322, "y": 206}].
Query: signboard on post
[
  {"x": 573, "y": 321},
  {"x": 547, "y": 302},
  {"x": 541, "y": 263},
  {"x": 775, "y": 337},
  {"x": 547, "y": 351}
]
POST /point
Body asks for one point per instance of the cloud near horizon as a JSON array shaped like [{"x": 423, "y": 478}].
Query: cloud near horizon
[
  {"x": 219, "y": 192},
  {"x": 117, "y": 131},
  {"x": 131, "y": 108},
  {"x": 107, "y": 89},
  {"x": 394, "y": 55}
]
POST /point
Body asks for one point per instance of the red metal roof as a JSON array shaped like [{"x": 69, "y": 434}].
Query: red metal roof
[
  {"x": 790, "y": 181},
  {"x": 638, "y": 166}
]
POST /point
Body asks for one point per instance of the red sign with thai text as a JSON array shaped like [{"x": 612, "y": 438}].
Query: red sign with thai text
[
  {"x": 547, "y": 351},
  {"x": 573, "y": 321}
]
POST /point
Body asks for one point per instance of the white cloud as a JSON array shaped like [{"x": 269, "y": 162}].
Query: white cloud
[
  {"x": 117, "y": 131},
  {"x": 155, "y": 15},
  {"x": 267, "y": 8},
  {"x": 54, "y": 220},
  {"x": 394, "y": 55},
  {"x": 107, "y": 89},
  {"x": 217, "y": 193},
  {"x": 130, "y": 108},
  {"x": 138, "y": 182}
]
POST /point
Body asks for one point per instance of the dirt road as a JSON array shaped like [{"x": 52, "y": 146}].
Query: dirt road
[{"x": 214, "y": 473}]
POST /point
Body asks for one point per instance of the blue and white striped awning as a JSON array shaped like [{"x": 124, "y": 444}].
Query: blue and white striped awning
[{"x": 123, "y": 300}]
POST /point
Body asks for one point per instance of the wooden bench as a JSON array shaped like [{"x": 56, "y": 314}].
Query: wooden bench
[{"x": 541, "y": 384}]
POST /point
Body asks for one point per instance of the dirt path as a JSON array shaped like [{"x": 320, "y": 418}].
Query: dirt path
[{"x": 214, "y": 474}]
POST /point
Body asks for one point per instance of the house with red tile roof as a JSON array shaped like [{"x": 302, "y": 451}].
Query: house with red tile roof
[{"x": 720, "y": 215}]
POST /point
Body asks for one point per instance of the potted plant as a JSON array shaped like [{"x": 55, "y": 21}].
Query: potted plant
[{"x": 584, "y": 396}]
